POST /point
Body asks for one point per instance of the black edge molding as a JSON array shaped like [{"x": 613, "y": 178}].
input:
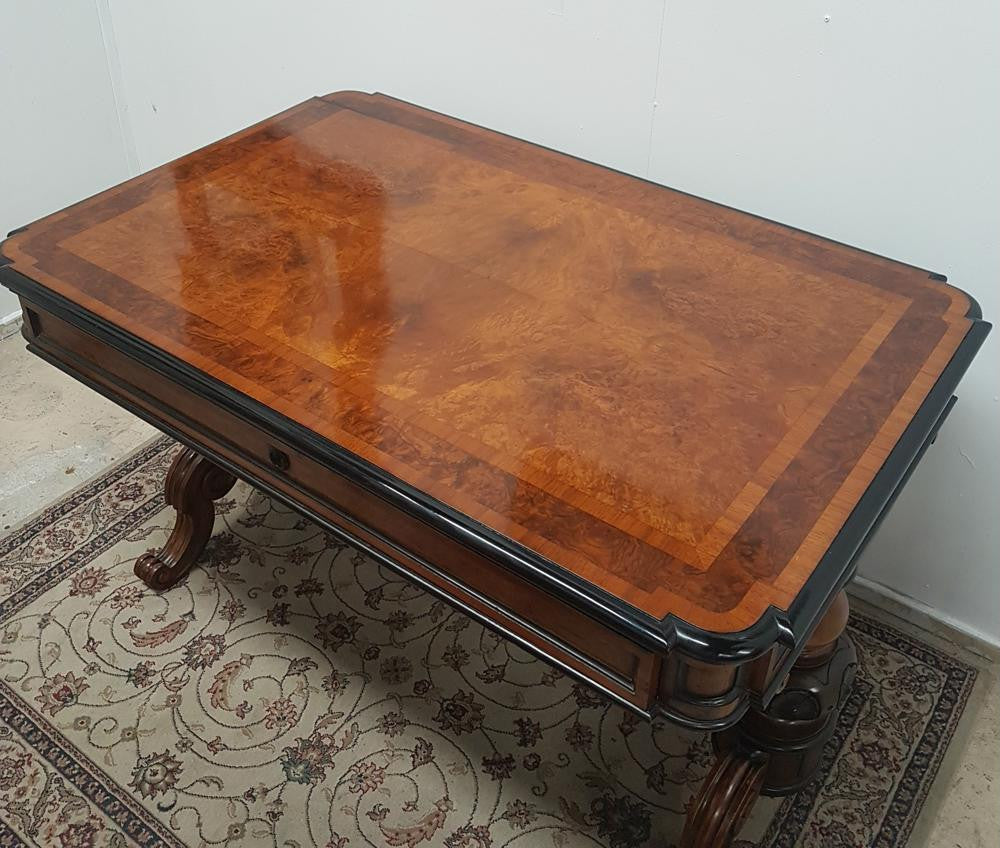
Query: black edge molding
[
  {"x": 741, "y": 699},
  {"x": 789, "y": 629},
  {"x": 331, "y": 97}
]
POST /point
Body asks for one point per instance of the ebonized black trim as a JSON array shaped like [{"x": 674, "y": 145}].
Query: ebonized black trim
[
  {"x": 973, "y": 313},
  {"x": 740, "y": 697},
  {"x": 788, "y": 628}
]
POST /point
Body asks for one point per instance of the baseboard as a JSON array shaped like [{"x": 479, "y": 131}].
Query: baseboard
[
  {"x": 10, "y": 324},
  {"x": 877, "y": 593}
]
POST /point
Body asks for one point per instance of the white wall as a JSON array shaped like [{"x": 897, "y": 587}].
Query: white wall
[
  {"x": 579, "y": 77},
  {"x": 61, "y": 140},
  {"x": 879, "y": 127}
]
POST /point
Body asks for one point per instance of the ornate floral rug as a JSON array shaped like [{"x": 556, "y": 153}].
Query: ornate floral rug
[{"x": 294, "y": 693}]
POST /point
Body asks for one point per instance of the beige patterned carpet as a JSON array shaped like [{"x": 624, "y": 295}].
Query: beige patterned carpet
[{"x": 292, "y": 693}]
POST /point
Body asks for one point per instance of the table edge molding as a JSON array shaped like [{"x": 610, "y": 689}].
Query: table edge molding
[{"x": 786, "y": 628}]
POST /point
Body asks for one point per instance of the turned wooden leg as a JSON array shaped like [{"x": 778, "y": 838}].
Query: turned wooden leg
[
  {"x": 778, "y": 750},
  {"x": 193, "y": 483}
]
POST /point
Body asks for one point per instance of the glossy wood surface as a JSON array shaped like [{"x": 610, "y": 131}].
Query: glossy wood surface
[
  {"x": 678, "y": 402},
  {"x": 480, "y": 587}
]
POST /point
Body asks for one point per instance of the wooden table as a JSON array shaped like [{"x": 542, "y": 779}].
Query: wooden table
[{"x": 642, "y": 434}]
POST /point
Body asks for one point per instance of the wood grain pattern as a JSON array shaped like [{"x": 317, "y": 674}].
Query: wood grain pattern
[
  {"x": 513, "y": 606},
  {"x": 675, "y": 401}
]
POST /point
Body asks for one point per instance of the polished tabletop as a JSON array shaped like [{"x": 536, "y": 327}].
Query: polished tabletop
[{"x": 677, "y": 402}]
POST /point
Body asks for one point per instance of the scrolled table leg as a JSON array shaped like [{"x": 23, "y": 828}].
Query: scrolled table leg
[
  {"x": 725, "y": 799},
  {"x": 193, "y": 483}
]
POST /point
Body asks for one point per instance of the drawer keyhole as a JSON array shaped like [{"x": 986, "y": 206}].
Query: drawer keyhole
[{"x": 279, "y": 459}]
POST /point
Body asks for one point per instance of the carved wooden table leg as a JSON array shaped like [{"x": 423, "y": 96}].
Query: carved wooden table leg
[
  {"x": 777, "y": 751},
  {"x": 193, "y": 483}
]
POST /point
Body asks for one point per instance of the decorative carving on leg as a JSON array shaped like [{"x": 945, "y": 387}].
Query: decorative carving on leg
[
  {"x": 778, "y": 750},
  {"x": 725, "y": 800},
  {"x": 193, "y": 483}
]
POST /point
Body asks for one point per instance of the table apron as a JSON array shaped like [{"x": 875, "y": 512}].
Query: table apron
[{"x": 689, "y": 692}]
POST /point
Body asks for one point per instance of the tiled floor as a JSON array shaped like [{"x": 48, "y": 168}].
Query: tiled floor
[{"x": 56, "y": 433}]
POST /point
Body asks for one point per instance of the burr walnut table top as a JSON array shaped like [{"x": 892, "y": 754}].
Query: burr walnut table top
[{"x": 672, "y": 406}]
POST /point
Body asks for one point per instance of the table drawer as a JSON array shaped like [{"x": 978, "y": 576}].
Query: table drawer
[{"x": 478, "y": 585}]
